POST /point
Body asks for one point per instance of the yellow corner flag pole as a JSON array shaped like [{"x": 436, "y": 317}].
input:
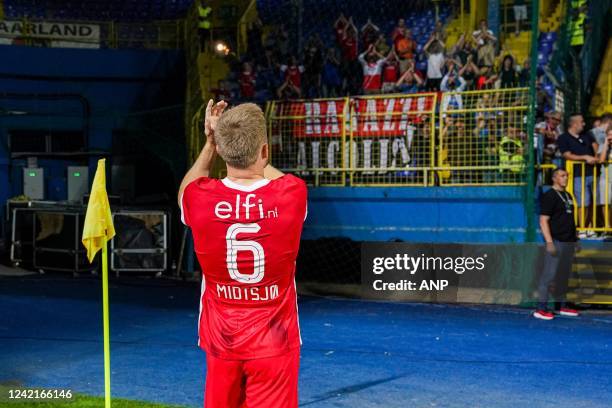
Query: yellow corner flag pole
[{"x": 98, "y": 229}]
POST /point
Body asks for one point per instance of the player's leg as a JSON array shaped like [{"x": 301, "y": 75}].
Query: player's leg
[
  {"x": 224, "y": 383},
  {"x": 273, "y": 382}
]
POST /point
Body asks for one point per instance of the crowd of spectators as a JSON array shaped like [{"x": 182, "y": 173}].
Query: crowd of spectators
[{"x": 367, "y": 60}]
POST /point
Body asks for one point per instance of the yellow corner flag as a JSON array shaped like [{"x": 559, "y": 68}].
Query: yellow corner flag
[
  {"x": 98, "y": 227},
  {"x": 97, "y": 231}
]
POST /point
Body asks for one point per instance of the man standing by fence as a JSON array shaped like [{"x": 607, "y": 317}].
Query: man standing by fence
[{"x": 559, "y": 232}]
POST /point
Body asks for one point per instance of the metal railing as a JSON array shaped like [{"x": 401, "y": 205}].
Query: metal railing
[
  {"x": 592, "y": 195},
  {"x": 393, "y": 140}
]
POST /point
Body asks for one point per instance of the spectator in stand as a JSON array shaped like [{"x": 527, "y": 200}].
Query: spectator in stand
[
  {"x": 339, "y": 26},
  {"x": 508, "y": 75},
  {"x": 381, "y": 45},
  {"x": 604, "y": 180},
  {"x": 332, "y": 82},
  {"x": 548, "y": 132},
  {"x": 247, "y": 82},
  {"x": 580, "y": 147},
  {"x": 439, "y": 31},
  {"x": 452, "y": 83},
  {"x": 369, "y": 33},
  {"x": 434, "y": 49},
  {"x": 398, "y": 30},
  {"x": 520, "y": 14},
  {"x": 484, "y": 105},
  {"x": 486, "y": 79},
  {"x": 525, "y": 73},
  {"x": 292, "y": 87},
  {"x": 511, "y": 153},
  {"x": 451, "y": 66},
  {"x": 453, "y": 150},
  {"x": 313, "y": 65},
  {"x": 405, "y": 47},
  {"x": 372, "y": 63},
  {"x": 485, "y": 41},
  {"x": 605, "y": 157},
  {"x": 410, "y": 81},
  {"x": 600, "y": 126},
  {"x": 350, "y": 68},
  {"x": 465, "y": 54},
  {"x": 390, "y": 72},
  {"x": 486, "y": 135}
]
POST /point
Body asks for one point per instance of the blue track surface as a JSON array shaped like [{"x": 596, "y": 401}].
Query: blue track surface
[{"x": 355, "y": 354}]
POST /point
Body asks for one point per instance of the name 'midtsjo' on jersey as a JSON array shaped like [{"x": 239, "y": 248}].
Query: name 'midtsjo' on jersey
[{"x": 246, "y": 239}]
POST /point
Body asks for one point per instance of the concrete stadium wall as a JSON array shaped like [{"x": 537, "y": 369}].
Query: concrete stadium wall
[{"x": 453, "y": 214}]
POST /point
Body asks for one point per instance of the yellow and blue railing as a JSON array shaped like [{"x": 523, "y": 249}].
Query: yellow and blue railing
[
  {"x": 474, "y": 138},
  {"x": 593, "y": 214}
]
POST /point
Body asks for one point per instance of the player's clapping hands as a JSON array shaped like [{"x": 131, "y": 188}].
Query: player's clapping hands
[{"x": 213, "y": 113}]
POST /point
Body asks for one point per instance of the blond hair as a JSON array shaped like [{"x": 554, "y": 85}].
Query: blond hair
[{"x": 240, "y": 133}]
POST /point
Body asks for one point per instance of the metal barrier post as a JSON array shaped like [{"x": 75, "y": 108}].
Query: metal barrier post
[
  {"x": 345, "y": 117},
  {"x": 607, "y": 197},
  {"x": 582, "y": 194},
  {"x": 432, "y": 155},
  {"x": 594, "y": 198},
  {"x": 351, "y": 152},
  {"x": 530, "y": 185}
]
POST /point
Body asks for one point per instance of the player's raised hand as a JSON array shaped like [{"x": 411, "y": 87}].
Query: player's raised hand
[{"x": 213, "y": 113}]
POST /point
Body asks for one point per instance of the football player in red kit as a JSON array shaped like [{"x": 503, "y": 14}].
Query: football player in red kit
[{"x": 246, "y": 230}]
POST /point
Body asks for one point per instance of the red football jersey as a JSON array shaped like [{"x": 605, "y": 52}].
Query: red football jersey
[{"x": 246, "y": 239}]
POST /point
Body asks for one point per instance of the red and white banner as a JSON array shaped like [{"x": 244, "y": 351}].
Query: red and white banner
[
  {"x": 390, "y": 116},
  {"x": 372, "y": 117}
]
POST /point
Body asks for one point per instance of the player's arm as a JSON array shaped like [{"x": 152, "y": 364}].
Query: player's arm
[
  {"x": 272, "y": 173},
  {"x": 204, "y": 163}
]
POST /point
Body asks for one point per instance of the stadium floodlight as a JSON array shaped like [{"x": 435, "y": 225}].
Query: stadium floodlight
[{"x": 222, "y": 48}]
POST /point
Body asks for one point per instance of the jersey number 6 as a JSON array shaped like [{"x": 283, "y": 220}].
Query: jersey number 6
[{"x": 234, "y": 246}]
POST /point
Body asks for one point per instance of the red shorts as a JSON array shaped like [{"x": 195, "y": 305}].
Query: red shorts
[{"x": 263, "y": 382}]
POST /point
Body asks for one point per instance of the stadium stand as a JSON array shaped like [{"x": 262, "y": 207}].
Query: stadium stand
[
  {"x": 464, "y": 124},
  {"x": 97, "y": 10}
]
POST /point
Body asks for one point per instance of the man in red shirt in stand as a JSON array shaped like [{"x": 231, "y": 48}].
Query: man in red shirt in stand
[
  {"x": 405, "y": 48},
  {"x": 293, "y": 79},
  {"x": 246, "y": 229},
  {"x": 247, "y": 82}
]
